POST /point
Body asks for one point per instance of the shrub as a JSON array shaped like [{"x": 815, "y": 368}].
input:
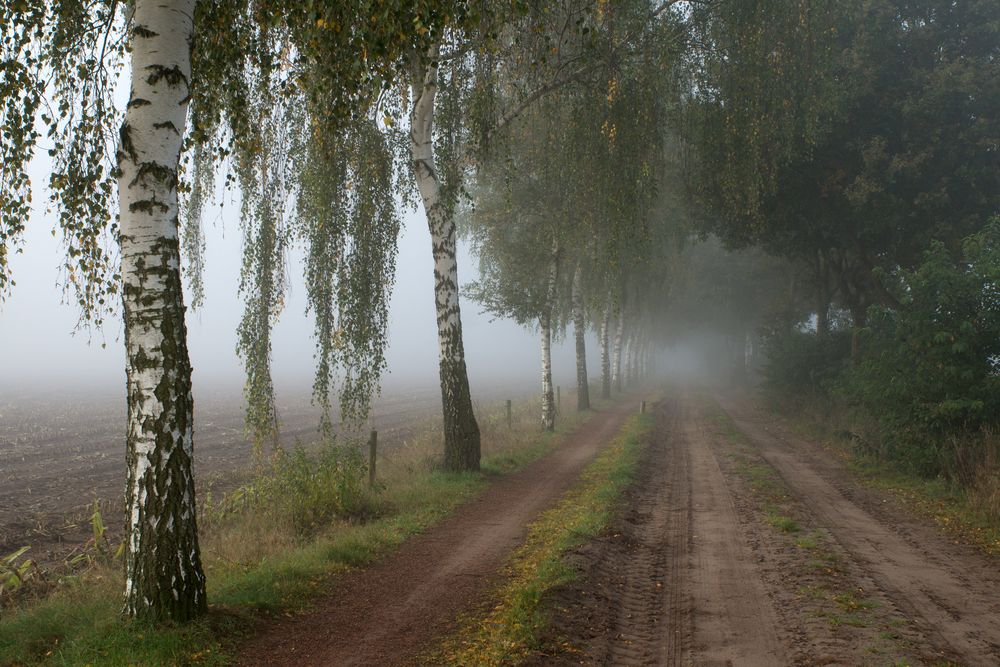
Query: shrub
[
  {"x": 801, "y": 364},
  {"x": 930, "y": 369},
  {"x": 307, "y": 490}
]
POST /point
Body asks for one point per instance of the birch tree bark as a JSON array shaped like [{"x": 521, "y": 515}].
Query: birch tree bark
[
  {"x": 163, "y": 573},
  {"x": 579, "y": 332},
  {"x": 461, "y": 432},
  {"x": 545, "y": 325},
  {"x": 629, "y": 374},
  {"x": 616, "y": 367},
  {"x": 605, "y": 352},
  {"x": 644, "y": 363}
]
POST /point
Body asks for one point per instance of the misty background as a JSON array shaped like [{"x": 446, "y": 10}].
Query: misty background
[{"x": 44, "y": 356}]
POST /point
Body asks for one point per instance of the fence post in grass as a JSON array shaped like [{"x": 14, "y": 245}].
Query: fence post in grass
[
  {"x": 642, "y": 407},
  {"x": 558, "y": 399},
  {"x": 372, "y": 447},
  {"x": 510, "y": 415}
]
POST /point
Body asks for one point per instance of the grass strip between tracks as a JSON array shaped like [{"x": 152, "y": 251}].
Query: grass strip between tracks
[
  {"x": 79, "y": 623},
  {"x": 512, "y": 628}
]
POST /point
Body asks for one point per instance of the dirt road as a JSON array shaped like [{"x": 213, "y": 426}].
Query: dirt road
[
  {"x": 743, "y": 545},
  {"x": 949, "y": 592},
  {"x": 388, "y": 614}
]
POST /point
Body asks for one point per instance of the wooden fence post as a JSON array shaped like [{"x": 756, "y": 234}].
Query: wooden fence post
[
  {"x": 510, "y": 415},
  {"x": 642, "y": 407}
]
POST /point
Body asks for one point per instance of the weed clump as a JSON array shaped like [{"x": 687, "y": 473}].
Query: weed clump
[{"x": 306, "y": 491}]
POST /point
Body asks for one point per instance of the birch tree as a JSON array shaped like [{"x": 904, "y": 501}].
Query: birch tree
[
  {"x": 461, "y": 432},
  {"x": 604, "y": 335},
  {"x": 163, "y": 573},
  {"x": 579, "y": 336},
  {"x": 61, "y": 63},
  {"x": 545, "y": 324},
  {"x": 517, "y": 235},
  {"x": 65, "y": 60}
]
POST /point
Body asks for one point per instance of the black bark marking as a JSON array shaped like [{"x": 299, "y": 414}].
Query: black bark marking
[
  {"x": 148, "y": 206},
  {"x": 172, "y": 75},
  {"x": 166, "y": 125},
  {"x": 155, "y": 171},
  {"x": 144, "y": 32}
]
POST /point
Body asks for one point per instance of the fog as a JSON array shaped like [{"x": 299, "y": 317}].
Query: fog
[{"x": 44, "y": 354}]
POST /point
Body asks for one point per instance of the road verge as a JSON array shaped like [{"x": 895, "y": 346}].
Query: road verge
[{"x": 510, "y": 630}]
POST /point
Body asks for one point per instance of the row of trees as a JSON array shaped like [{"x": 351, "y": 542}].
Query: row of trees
[
  {"x": 576, "y": 142},
  {"x": 321, "y": 114},
  {"x": 564, "y": 220}
]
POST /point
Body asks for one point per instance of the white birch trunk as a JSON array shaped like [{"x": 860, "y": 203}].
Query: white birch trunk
[
  {"x": 545, "y": 326},
  {"x": 163, "y": 574},
  {"x": 605, "y": 352},
  {"x": 579, "y": 332},
  {"x": 629, "y": 368},
  {"x": 616, "y": 367},
  {"x": 548, "y": 395},
  {"x": 461, "y": 432}
]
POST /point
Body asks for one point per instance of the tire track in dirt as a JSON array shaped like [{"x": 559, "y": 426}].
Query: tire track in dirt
[
  {"x": 389, "y": 613},
  {"x": 950, "y": 592},
  {"x": 732, "y": 617},
  {"x": 673, "y": 581}
]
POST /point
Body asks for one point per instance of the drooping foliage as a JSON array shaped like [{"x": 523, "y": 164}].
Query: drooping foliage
[
  {"x": 291, "y": 93},
  {"x": 61, "y": 63}
]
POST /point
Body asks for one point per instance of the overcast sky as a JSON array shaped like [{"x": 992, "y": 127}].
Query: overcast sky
[{"x": 40, "y": 352}]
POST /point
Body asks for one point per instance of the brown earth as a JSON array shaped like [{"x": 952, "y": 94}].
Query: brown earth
[
  {"x": 59, "y": 454},
  {"x": 949, "y": 592},
  {"x": 741, "y": 544},
  {"x": 390, "y": 613}
]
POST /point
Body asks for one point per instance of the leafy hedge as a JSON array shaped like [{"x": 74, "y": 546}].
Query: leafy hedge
[{"x": 929, "y": 371}]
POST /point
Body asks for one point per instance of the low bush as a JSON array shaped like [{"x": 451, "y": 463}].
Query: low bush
[
  {"x": 930, "y": 368},
  {"x": 925, "y": 391},
  {"x": 306, "y": 491},
  {"x": 799, "y": 363}
]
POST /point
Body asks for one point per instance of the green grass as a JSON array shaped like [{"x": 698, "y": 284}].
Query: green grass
[
  {"x": 808, "y": 542},
  {"x": 949, "y": 506},
  {"x": 785, "y": 524},
  {"x": 81, "y": 625},
  {"x": 513, "y": 627},
  {"x": 255, "y": 569}
]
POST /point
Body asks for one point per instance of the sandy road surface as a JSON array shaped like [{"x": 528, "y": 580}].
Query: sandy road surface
[
  {"x": 673, "y": 582},
  {"x": 389, "y": 613},
  {"x": 950, "y": 592},
  {"x": 740, "y": 544}
]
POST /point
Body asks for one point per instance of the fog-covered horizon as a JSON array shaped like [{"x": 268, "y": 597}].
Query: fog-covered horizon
[{"x": 43, "y": 354}]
